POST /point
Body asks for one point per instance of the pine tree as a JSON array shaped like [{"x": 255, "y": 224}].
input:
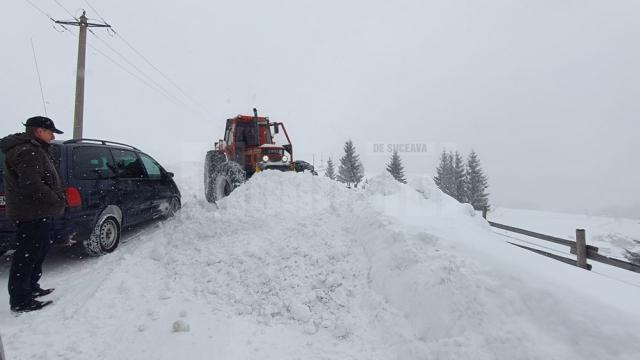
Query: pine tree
[
  {"x": 445, "y": 178},
  {"x": 439, "y": 178},
  {"x": 330, "y": 171},
  {"x": 476, "y": 183},
  {"x": 395, "y": 168},
  {"x": 350, "y": 170},
  {"x": 459, "y": 178},
  {"x": 449, "y": 177}
]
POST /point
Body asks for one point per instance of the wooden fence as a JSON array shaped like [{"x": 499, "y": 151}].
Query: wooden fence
[{"x": 578, "y": 248}]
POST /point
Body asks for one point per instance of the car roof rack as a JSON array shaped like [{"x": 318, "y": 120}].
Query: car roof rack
[{"x": 103, "y": 142}]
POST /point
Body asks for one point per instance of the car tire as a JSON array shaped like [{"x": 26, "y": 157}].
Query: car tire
[
  {"x": 174, "y": 207},
  {"x": 105, "y": 237},
  {"x": 229, "y": 176}
]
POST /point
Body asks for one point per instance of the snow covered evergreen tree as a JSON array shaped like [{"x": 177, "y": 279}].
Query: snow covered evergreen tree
[
  {"x": 444, "y": 178},
  {"x": 439, "y": 178},
  {"x": 350, "y": 170},
  {"x": 330, "y": 171},
  {"x": 459, "y": 178},
  {"x": 395, "y": 168},
  {"x": 476, "y": 183}
]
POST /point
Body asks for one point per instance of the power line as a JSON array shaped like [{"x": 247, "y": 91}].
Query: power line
[
  {"x": 173, "y": 83},
  {"x": 95, "y": 11},
  {"x": 65, "y": 9},
  {"x": 160, "y": 87},
  {"x": 35, "y": 60},
  {"x": 122, "y": 67},
  {"x": 195, "y": 102},
  {"x": 40, "y": 10},
  {"x": 150, "y": 83}
]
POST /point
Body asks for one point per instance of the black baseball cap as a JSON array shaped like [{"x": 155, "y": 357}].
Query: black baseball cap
[{"x": 42, "y": 122}]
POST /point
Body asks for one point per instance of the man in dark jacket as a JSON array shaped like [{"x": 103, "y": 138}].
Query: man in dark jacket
[{"x": 34, "y": 196}]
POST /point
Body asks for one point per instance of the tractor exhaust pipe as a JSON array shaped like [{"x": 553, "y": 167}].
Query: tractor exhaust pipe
[{"x": 255, "y": 112}]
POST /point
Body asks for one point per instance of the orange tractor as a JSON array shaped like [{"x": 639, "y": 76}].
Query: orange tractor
[{"x": 248, "y": 147}]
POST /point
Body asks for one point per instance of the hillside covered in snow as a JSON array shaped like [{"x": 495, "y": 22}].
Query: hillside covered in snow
[{"x": 294, "y": 266}]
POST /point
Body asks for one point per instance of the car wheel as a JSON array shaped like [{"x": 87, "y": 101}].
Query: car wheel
[
  {"x": 105, "y": 237},
  {"x": 173, "y": 208}
]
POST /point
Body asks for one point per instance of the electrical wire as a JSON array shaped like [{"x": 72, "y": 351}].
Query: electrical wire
[
  {"x": 152, "y": 84},
  {"x": 121, "y": 66},
  {"x": 40, "y": 10},
  {"x": 35, "y": 60},
  {"x": 173, "y": 83},
  {"x": 95, "y": 11},
  {"x": 149, "y": 78},
  {"x": 65, "y": 9},
  {"x": 195, "y": 102}
]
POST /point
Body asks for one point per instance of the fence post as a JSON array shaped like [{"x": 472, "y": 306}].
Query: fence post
[
  {"x": 484, "y": 212},
  {"x": 581, "y": 249}
]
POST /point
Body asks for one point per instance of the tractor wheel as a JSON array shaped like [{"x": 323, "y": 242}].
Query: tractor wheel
[
  {"x": 212, "y": 164},
  {"x": 229, "y": 176}
]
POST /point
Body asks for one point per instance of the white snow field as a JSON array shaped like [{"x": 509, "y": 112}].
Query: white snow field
[{"x": 292, "y": 266}]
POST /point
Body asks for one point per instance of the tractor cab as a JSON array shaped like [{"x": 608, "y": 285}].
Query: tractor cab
[{"x": 251, "y": 142}]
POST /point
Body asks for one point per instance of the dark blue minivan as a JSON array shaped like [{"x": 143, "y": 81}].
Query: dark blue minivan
[{"x": 109, "y": 186}]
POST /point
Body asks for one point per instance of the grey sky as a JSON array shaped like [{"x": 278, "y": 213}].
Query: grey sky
[{"x": 545, "y": 91}]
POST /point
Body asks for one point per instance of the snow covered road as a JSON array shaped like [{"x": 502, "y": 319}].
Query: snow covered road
[{"x": 292, "y": 266}]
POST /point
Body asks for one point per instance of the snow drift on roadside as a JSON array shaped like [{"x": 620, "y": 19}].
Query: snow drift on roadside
[{"x": 296, "y": 266}]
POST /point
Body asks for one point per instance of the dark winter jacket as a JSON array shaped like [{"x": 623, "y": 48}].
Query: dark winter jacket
[{"x": 32, "y": 185}]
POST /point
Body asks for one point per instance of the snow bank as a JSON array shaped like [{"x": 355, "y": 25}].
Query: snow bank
[{"x": 297, "y": 266}]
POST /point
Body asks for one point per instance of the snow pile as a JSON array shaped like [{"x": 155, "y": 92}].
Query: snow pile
[{"x": 297, "y": 266}]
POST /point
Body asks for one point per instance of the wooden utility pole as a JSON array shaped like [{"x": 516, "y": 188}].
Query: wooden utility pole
[{"x": 78, "y": 115}]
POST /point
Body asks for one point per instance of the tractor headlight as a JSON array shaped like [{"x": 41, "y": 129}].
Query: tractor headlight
[
  {"x": 285, "y": 158},
  {"x": 265, "y": 158}
]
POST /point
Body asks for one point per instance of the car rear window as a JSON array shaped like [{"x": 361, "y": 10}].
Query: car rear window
[
  {"x": 92, "y": 162},
  {"x": 1, "y": 161}
]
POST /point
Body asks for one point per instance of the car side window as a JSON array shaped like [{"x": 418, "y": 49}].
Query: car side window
[
  {"x": 128, "y": 164},
  {"x": 91, "y": 163},
  {"x": 152, "y": 167}
]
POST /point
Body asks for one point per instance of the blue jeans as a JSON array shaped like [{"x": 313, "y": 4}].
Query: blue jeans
[{"x": 33, "y": 239}]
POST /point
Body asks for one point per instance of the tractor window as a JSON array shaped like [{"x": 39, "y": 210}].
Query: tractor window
[
  {"x": 265, "y": 134},
  {"x": 227, "y": 136},
  {"x": 247, "y": 133}
]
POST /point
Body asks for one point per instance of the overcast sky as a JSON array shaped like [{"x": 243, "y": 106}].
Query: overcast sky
[{"x": 546, "y": 92}]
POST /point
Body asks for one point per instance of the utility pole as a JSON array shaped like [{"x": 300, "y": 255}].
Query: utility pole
[{"x": 82, "y": 51}]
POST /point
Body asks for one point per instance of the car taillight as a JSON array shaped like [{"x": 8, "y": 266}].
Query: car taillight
[{"x": 73, "y": 197}]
